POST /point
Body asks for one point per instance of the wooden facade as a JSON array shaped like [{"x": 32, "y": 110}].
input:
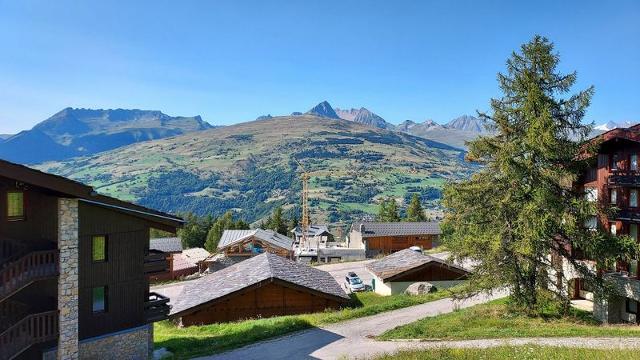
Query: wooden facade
[
  {"x": 613, "y": 172},
  {"x": 266, "y": 299},
  {"x": 248, "y": 248},
  {"x": 391, "y": 244},
  {"x": 122, "y": 273}
]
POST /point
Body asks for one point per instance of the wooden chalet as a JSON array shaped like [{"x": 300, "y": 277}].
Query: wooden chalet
[
  {"x": 394, "y": 273},
  {"x": 246, "y": 243},
  {"x": 74, "y": 269},
  {"x": 261, "y": 286},
  {"x": 386, "y": 238}
]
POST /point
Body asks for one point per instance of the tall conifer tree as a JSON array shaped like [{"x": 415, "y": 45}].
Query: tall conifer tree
[{"x": 511, "y": 214}]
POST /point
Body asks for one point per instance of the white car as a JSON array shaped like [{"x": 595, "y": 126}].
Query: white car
[{"x": 353, "y": 283}]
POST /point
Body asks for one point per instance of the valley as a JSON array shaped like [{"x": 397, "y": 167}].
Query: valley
[{"x": 250, "y": 168}]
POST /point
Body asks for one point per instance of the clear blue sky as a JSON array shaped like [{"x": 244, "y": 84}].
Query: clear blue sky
[{"x": 231, "y": 61}]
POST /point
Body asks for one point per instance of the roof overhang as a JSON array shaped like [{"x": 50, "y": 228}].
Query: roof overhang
[{"x": 254, "y": 286}]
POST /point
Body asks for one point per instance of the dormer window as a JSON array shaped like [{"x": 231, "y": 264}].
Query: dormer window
[{"x": 15, "y": 205}]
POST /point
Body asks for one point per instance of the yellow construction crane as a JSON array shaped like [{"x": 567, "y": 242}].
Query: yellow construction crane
[{"x": 305, "y": 206}]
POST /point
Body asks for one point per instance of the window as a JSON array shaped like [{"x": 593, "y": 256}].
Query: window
[
  {"x": 614, "y": 162},
  {"x": 591, "y": 223},
  {"x": 633, "y": 198},
  {"x": 99, "y": 299},
  {"x": 633, "y": 231},
  {"x": 632, "y": 306},
  {"x": 15, "y": 205},
  {"x": 591, "y": 194},
  {"x": 633, "y": 162},
  {"x": 99, "y": 248},
  {"x": 614, "y": 196},
  {"x": 613, "y": 229}
]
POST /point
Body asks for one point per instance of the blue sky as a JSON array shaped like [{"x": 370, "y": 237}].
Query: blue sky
[{"x": 231, "y": 61}]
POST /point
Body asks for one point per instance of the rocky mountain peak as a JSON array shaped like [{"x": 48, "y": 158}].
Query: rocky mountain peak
[{"x": 323, "y": 109}]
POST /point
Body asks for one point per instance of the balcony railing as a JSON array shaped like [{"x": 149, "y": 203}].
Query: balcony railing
[
  {"x": 156, "y": 308},
  {"x": 31, "y": 330},
  {"x": 155, "y": 262},
  {"x": 624, "y": 178},
  {"x": 32, "y": 267},
  {"x": 628, "y": 215}
]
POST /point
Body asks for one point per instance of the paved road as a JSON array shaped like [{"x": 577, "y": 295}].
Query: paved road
[
  {"x": 350, "y": 338},
  {"x": 339, "y": 270}
]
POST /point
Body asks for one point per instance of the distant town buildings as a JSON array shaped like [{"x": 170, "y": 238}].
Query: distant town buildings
[{"x": 389, "y": 237}]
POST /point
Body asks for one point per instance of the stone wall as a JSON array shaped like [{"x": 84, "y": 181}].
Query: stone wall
[
  {"x": 130, "y": 344},
  {"x": 68, "y": 278}
]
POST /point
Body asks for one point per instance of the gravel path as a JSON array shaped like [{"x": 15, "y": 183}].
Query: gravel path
[{"x": 350, "y": 338}]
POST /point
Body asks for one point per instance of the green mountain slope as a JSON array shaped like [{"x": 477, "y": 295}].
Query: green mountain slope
[{"x": 250, "y": 167}]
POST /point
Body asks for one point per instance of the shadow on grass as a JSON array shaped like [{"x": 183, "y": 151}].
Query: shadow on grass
[{"x": 210, "y": 339}]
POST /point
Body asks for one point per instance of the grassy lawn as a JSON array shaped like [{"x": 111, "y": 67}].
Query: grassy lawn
[
  {"x": 527, "y": 352},
  {"x": 208, "y": 339},
  {"x": 495, "y": 320}
]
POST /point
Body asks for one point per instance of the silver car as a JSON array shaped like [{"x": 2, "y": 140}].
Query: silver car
[{"x": 353, "y": 283}]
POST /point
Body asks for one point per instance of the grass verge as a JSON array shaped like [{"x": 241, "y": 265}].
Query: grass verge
[
  {"x": 497, "y": 320},
  {"x": 527, "y": 352},
  {"x": 209, "y": 339}
]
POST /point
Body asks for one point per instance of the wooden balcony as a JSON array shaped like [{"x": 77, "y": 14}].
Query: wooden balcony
[
  {"x": 624, "y": 178},
  {"x": 156, "y": 308},
  {"x": 31, "y": 330},
  {"x": 156, "y": 262},
  {"x": 628, "y": 215},
  {"x": 34, "y": 266}
]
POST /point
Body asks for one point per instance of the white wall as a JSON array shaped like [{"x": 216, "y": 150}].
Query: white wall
[{"x": 398, "y": 287}]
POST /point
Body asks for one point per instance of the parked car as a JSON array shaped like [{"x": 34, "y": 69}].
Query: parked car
[{"x": 353, "y": 282}]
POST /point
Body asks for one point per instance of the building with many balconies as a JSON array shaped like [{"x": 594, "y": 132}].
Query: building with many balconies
[
  {"x": 74, "y": 270},
  {"x": 614, "y": 182}
]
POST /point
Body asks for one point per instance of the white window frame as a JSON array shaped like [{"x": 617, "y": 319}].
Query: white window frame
[
  {"x": 633, "y": 162},
  {"x": 613, "y": 228},
  {"x": 591, "y": 194},
  {"x": 613, "y": 197}
]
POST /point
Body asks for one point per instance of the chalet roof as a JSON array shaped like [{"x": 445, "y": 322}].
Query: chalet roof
[
  {"x": 195, "y": 255},
  {"x": 166, "y": 245},
  {"x": 181, "y": 262},
  {"x": 314, "y": 230},
  {"x": 374, "y": 229},
  {"x": 403, "y": 261},
  {"x": 250, "y": 272},
  {"x": 67, "y": 187},
  {"x": 230, "y": 237}
]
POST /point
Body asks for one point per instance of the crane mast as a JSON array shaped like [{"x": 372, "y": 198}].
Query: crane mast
[{"x": 305, "y": 206}]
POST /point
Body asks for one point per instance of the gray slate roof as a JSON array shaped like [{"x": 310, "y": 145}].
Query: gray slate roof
[
  {"x": 314, "y": 230},
  {"x": 405, "y": 260},
  {"x": 250, "y": 272},
  {"x": 168, "y": 244},
  {"x": 230, "y": 237},
  {"x": 373, "y": 229}
]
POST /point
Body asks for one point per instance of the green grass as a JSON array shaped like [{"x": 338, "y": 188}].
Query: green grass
[
  {"x": 526, "y": 352},
  {"x": 208, "y": 339},
  {"x": 497, "y": 320}
]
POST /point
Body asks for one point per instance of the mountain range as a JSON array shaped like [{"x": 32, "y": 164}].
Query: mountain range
[
  {"x": 354, "y": 156},
  {"x": 79, "y": 132},
  {"x": 251, "y": 168}
]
